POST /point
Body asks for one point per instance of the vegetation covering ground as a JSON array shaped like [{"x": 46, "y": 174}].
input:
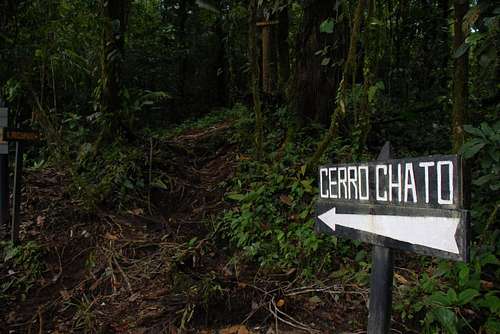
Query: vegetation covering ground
[{"x": 174, "y": 187}]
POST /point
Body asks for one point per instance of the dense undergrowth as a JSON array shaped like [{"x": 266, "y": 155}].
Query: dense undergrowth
[
  {"x": 270, "y": 220},
  {"x": 271, "y": 223}
]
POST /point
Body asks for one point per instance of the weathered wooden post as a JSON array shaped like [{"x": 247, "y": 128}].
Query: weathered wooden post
[
  {"x": 19, "y": 136},
  {"x": 4, "y": 176},
  {"x": 16, "y": 205},
  {"x": 268, "y": 74},
  {"x": 379, "y": 317},
  {"x": 412, "y": 204}
]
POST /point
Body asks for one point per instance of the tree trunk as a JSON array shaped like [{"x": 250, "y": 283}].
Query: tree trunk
[
  {"x": 181, "y": 45},
  {"x": 370, "y": 55},
  {"x": 255, "y": 76},
  {"x": 283, "y": 50},
  {"x": 313, "y": 86},
  {"x": 340, "y": 109},
  {"x": 267, "y": 59},
  {"x": 221, "y": 65},
  {"x": 460, "y": 77},
  {"x": 115, "y": 14}
]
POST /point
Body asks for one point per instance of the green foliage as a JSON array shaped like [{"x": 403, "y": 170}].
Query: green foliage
[
  {"x": 271, "y": 222},
  {"x": 454, "y": 298},
  {"x": 327, "y": 26},
  {"x": 484, "y": 146},
  {"x": 273, "y": 202},
  {"x": 25, "y": 266},
  {"x": 114, "y": 175}
]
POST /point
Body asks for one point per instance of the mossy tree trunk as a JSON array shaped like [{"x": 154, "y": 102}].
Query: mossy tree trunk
[
  {"x": 347, "y": 73},
  {"x": 283, "y": 50},
  {"x": 312, "y": 84},
  {"x": 370, "y": 56},
  {"x": 460, "y": 91},
  {"x": 460, "y": 76},
  {"x": 254, "y": 77},
  {"x": 115, "y": 16}
]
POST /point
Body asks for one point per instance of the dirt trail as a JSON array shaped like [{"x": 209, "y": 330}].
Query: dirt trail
[{"x": 162, "y": 273}]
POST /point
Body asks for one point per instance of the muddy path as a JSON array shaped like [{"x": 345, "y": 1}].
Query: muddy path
[{"x": 165, "y": 267}]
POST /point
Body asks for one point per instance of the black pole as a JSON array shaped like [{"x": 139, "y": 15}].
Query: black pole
[
  {"x": 4, "y": 195},
  {"x": 16, "y": 210},
  {"x": 379, "y": 318},
  {"x": 4, "y": 177}
]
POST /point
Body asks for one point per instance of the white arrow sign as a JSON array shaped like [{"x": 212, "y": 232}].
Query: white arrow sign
[{"x": 433, "y": 232}]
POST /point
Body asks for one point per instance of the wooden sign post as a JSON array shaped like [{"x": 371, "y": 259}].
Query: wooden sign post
[
  {"x": 413, "y": 204},
  {"x": 268, "y": 74},
  {"x": 4, "y": 177},
  {"x": 19, "y": 136}
]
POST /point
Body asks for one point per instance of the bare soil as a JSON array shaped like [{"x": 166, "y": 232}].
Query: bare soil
[{"x": 167, "y": 271}]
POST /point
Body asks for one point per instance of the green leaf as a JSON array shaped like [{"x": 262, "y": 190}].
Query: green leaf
[
  {"x": 472, "y": 147},
  {"x": 159, "y": 184},
  {"x": 439, "y": 298},
  {"x": 10, "y": 253},
  {"x": 452, "y": 296},
  {"x": 463, "y": 275},
  {"x": 491, "y": 302},
  {"x": 307, "y": 185},
  {"x": 461, "y": 50},
  {"x": 327, "y": 26},
  {"x": 236, "y": 197},
  {"x": 473, "y": 131},
  {"x": 325, "y": 61},
  {"x": 447, "y": 319},
  {"x": 492, "y": 326},
  {"x": 467, "y": 296},
  {"x": 483, "y": 180},
  {"x": 487, "y": 130}
]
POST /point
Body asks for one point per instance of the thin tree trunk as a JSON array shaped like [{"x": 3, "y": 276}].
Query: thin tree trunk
[
  {"x": 221, "y": 65},
  {"x": 368, "y": 79},
  {"x": 181, "y": 44},
  {"x": 460, "y": 92},
  {"x": 340, "y": 109},
  {"x": 255, "y": 75},
  {"x": 460, "y": 77},
  {"x": 267, "y": 75},
  {"x": 283, "y": 50},
  {"x": 115, "y": 14}
]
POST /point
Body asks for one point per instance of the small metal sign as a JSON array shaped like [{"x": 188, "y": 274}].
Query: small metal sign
[
  {"x": 412, "y": 204},
  {"x": 14, "y": 134}
]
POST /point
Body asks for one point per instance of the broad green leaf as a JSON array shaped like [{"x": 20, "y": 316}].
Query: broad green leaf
[
  {"x": 491, "y": 302},
  {"x": 439, "y": 298},
  {"x": 463, "y": 275},
  {"x": 467, "y": 296},
  {"x": 159, "y": 184},
  {"x": 472, "y": 147},
  {"x": 447, "y": 319},
  {"x": 487, "y": 130},
  {"x": 461, "y": 50},
  {"x": 327, "y": 26},
  {"x": 236, "y": 197},
  {"x": 473, "y": 131},
  {"x": 492, "y": 326},
  {"x": 325, "y": 61},
  {"x": 307, "y": 185},
  {"x": 452, "y": 296},
  {"x": 483, "y": 180},
  {"x": 10, "y": 253}
]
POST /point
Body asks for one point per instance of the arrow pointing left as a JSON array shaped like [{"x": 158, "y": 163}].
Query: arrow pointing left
[{"x": 433, "y": 232}]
